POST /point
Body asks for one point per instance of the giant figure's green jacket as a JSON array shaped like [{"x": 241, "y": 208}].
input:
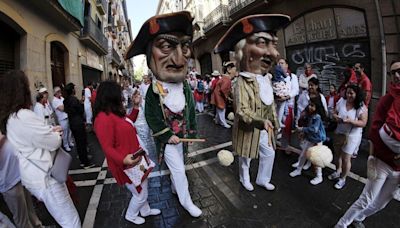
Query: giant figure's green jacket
[{"x": 156, "y": 120}]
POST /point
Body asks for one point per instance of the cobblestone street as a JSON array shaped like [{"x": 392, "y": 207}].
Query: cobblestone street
[{"x": 217, "y": 191}]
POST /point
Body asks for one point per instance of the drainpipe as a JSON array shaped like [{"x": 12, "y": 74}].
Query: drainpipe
[{"x": 383, "y": 47}]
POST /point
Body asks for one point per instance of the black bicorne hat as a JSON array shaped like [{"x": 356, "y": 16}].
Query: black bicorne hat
[
  {"x": 160, "y": 24},
  {"x": 249, "y": 25}
]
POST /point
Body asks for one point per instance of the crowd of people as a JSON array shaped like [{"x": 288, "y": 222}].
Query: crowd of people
[{"x": 270, "y": 104}]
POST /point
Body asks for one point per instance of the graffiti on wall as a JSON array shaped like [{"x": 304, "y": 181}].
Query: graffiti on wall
[
  {"x": 329, "y": 59},
  {"x": 329, "y": 39}
]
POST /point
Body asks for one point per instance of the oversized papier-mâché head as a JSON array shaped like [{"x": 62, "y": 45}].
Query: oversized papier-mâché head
[
  {"x": 166, "y": 41},
  {"x": 254, "y": 40}
]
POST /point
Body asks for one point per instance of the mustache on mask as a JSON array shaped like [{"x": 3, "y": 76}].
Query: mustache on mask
[{"x": 175, "y": 66}]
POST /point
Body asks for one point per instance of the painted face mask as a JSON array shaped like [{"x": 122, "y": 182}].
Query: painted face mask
[{"x": 169, "y": 57}]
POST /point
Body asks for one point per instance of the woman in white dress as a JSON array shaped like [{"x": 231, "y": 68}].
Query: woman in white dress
[{"x": 351, "y": 115}]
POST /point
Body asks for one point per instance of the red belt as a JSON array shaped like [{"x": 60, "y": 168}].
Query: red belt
[{"x": 389, "y": 131}]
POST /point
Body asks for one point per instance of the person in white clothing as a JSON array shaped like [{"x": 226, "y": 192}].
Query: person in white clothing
[
  {"x": 17, "y": 198},
  {"x": 40, "y": 108},
  {"x": 62, "y": 117},
  {"x": 87, "y": 104},
  {"x": 48, "y": 108},
  {"x": 253, "y": 38},
  {"x": 35, "y": 144},
  {"x": 314, "y": 91},
  {"x": 288, "y": 114},
  {"x": 145, "y": 86},
  {"x": 169, "y": 107},
  {"x": 306, "y": 76},
  {"x": 351, "y": 115},
  {"x": 383, "y": 164}
]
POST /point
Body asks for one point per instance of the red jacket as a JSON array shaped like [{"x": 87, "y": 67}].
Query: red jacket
[
  {"x": 117, "y": 138},
  {"x": 336, "y": 98},
  {"x": 381, "y": 151},
  {"x": 366, "y": 85},
  {"x": 221, "y": 92}
]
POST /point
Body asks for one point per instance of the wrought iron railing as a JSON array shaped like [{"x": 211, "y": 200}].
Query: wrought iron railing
[
  {"x": 218, "y": 15},
  {"x": 236, "y": 5},
  {"x": 90, "y": 29},
  {"x": 115, "y": 56},
  {"x": 102, "y": 6}
]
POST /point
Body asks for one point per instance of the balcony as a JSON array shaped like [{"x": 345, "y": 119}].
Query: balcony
[
  {"x": 65, "y": 17},
  {"x": 101, "y": 6},
  {"x": 92, "y": 36},
  {"x": 236, "y": 5},
  {"x": 217, "y": 16},
  {"x": 115, "y": 58}
]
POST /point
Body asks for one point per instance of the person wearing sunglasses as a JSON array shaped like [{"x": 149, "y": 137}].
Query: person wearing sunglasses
[{"x": 384, "y": 162}]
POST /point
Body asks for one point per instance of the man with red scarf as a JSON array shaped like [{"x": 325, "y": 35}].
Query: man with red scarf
[
  {"x": 364, "y": 82},
  {"x": 384, "y": 163},
  {"x": 303, "y": 79}
]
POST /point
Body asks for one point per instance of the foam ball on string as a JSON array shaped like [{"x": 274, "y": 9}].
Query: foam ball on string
[
  {"x": 225, "y": 157},
  {"x": 319, "y": 155},
  {"x": 231, "y": 116}
]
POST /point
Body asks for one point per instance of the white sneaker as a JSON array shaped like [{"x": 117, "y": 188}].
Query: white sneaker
[
  {"x": 194, "y": 211},
  {"x": 247, "y": 185},
  {"x": 295, "y": 173},
  {"x": 268, "y": 186},
  {"x": 396, "y": 194},
  {"x": 136, "y": 220},
  {"x": 151, "y": 212},
  {"x": 227, "y": 126},
  {"x": 294, "y": 165},
  {"x": 340, "y": 184},
  {"x": 316, "y": 180},
  {"x": 307, "y": 165},
  {"x": 334, "y": 175}
]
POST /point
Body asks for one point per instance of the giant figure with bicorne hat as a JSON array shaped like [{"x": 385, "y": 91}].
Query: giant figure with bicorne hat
[
  {"x": 169, "y": 109},
  {"x": 253, "y": 38}
]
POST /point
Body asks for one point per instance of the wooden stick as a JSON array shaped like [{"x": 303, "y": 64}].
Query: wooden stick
[{"x": 191, "y": 140}]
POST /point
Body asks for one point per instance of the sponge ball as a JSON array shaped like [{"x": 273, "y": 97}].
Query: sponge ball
[
  {"x": 225, "y": 157},
  {"x": 231, "y": 116},
  {"x": 319, "y": 155}
]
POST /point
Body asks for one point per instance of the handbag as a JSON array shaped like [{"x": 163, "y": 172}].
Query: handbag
[
  {"x": 139, "y": 173},
  {"x": 61, "y": 163}
]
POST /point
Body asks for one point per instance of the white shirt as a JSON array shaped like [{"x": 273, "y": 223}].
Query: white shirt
[
  {"x": 353, "y": 114},
  {"x": 57, "y": 102},
  {"x": 40, "y": 111},
  {"x": 294, "y": 88},
  {"x": 304, "y": 99},
  {"x": 266, "y": 93},
  {"x": 34, "y": 140},
  {"x": 9, "y": 168},
  {"x": 175, "y": 98},
  {"x": 143, "y": 89},
  {"x": 303, "y": 80},
  {"x": 88, "y": 95}
]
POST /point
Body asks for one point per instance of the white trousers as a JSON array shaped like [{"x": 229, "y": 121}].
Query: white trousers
[
  {"x": 266, "y": 162},
  {"x": 58, "y": 202},
  {"x": 5, "y": 221},
  {"x": 280, "y": 107},
  {"x": 138, "y": 202},
  {"x": 66, "y": 133},
  {"x": 200, "y": 106},
  {"x": 220, "y": 118},
  {"x": 173, "y": 156},
  {"x": 88, "y": 113},
  {"x": 376, "y": 195}
]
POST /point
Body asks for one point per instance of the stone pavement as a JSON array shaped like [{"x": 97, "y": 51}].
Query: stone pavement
[{"x": 217, "y": 191}]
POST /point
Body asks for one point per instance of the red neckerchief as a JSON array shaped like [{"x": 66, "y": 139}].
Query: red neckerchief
[
  {"x": 394, "y": 90},
  {"x": 309, "y": 73}
]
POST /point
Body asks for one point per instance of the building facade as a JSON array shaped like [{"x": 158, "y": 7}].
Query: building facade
[
  {"x": 327, "y": 34},
  {"x": 55, "y": 41}
]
